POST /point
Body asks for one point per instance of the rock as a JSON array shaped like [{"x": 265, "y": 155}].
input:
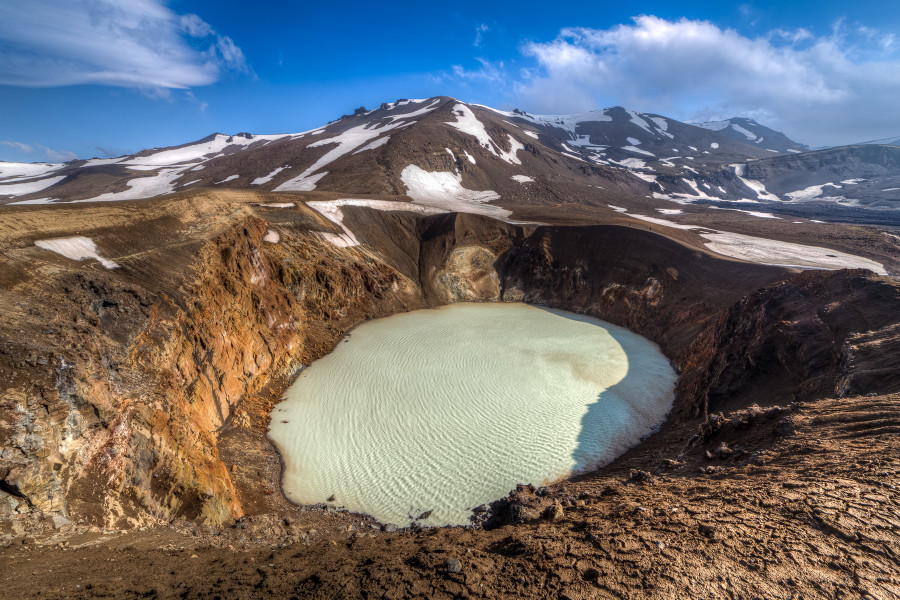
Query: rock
[
  {"x": 389, "y": 528},
  {"x": 330, "y": 498},
  {"x": 481, "y": 508},
  {"x": 590, "y": 574},
  {"x": 452, "y": 565},
  {"x": 637, "y": 475},
  {"x": 59, "y": 522},
  {"x": 722, "y": 451},
  {"x": 424, "y": 515},
  {"x": 554, "y": 512},
  {"x": 707, "y": 530}
]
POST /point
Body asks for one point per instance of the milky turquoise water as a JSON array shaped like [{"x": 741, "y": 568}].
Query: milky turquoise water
[{"x": 447, "y": 409}]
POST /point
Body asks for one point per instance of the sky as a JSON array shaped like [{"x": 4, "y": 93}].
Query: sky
[{"x": 103, "y": 78}]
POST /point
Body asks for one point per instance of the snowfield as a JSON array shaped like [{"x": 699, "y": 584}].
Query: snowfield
[
  {"x": 444, "y": 190},
  {"x": 468, "y": 123},
  {"x": 772, "y": 252},
  {"x": 786, "y": 254},
  {"x": 30, "y": 187},
  {"x": 27, "y": 170},
  {"x": 76, "y": 248},
  {"x": 143, "y": 187}
]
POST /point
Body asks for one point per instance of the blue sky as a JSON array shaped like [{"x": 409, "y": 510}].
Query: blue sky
[{"x": 84, "y": 78}]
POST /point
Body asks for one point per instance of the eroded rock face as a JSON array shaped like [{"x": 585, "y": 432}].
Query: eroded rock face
[
  {"x": 117, "y": 383},
  {"x": 121, "y": 427}
]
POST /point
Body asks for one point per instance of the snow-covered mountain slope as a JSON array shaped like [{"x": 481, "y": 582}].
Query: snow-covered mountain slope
[
  {"x": 444, "y": 153},
  {"x": 749, "y": 131}
]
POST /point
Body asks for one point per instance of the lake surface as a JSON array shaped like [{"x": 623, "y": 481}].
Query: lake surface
[{"x": 443, "y": 410}]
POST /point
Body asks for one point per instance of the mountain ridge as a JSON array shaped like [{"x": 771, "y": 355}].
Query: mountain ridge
[{"x": 474, "y": 157}]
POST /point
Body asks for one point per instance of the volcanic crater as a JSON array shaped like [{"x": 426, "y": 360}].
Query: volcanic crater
[{"x": 778, "y": 462}]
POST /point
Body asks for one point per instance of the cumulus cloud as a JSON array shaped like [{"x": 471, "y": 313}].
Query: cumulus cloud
[
  {"x": 822, "y": 90},
  {"x": 139, "y": 44}
]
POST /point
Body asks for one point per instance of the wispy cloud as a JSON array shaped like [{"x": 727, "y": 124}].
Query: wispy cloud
[
  {"x": 57, "y": 155},
  {"x": 49, "y": 153},
  {"x": 480, "y": 30},
  {"x": 17, "y": 146},
  {"x": 492, "y": 72},
  {"x": 838, "y": 87},
  {"x": 137, "y": 44}
]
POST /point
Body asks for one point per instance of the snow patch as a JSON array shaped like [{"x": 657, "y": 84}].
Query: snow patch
[
  {"x": 445, "y": 190},
  {"x": 530, "y": 133},
  {"x": 27, "y": 170},
  {"x": 76, "y": 248},
  {"x": 345, "y": 143},
  {"x": 272, "y": 236},
  {"x": 785, "y": 254},
  {"x": 638, "y": 120},
  {"x": 143, "y": 187},
  {"x": 20, "y": 189},
  {"x": 227, "y": 179},
  {"x": 301, "y": 184},
  {"x": 522, "y": 178},
  {"x": 376, "y": 144},
  {"x": 749, "y": 135},
  {"x": 331, "y": 210},
  {"x": 813, "y": 191},
  {"x": 468, "y": 123},
  {"x": 648, "y": 177},
  {"x": 756, "y": 186},
  {"x": 638, "y": 151},
  {"x": 661, "y": 123},
  {"x": 270, "y": 176},
  {"x": 714, "y": 145},
  {"x": 630, "y": 163}
]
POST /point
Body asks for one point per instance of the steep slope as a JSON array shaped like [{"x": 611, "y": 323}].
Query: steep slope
[{"x": 749, "y": 131}]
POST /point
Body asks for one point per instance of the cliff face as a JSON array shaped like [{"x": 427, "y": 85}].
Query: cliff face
[
  {"x": 115, "y": 390},
  {"x": 119, "y": 424}
]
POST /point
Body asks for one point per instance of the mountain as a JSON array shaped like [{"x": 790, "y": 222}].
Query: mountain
[
  {"x": 447, "y": 154},
  {"x": 749, "y": 131}
]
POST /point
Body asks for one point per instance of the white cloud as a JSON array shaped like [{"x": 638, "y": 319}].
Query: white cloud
[
  {"x": 488, "y": 72},
  {"x": 57, "y": 155},
  {"x": 821, "y": 90},
  {"x": 17, "y": 146},
  {"x": 479, "y": 34},
  {"x": 139, "y": 43}
]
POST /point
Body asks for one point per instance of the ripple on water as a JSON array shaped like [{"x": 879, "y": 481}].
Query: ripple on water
[{"x": 450, "y": 408}]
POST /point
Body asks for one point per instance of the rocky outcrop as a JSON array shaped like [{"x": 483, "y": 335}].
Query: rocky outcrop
[{"x": 121, "y": 425}]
